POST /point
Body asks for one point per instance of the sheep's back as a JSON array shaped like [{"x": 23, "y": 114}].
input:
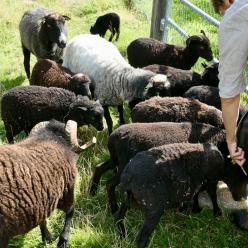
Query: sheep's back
[
  {"x": 48, "y": 73},
  {"x": 176, "y": 109},
  {"x": 24, "y": 106},
  {"x": 34, "y": 177},
  {"x": 101, "y": 61},
  {"x": 170, "y": 174}
]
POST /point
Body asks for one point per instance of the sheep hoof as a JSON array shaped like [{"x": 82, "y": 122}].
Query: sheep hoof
[{"x": 63, "y": 243}]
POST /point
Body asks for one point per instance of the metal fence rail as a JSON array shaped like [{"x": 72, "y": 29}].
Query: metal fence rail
[{"x": 166, "y": 21}]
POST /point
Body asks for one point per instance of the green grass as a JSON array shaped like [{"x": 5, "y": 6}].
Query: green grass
[{"x": 93, "y": 225}]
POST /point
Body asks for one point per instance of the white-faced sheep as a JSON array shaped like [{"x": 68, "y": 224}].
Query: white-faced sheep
[
  {"x": 48, "y": 73},
  {"x": 182, "y": 80},
  {"x": 114, "y": 80},
  {"x": 44, "y": 34},
  {"x": 24, "y": 106},
  {"x": 109, "y": 21},
  {"x": 176, "y": 109},
  {"x": 129, "y": 139},
  {"x": 37, "y": 176},
  {"x": 166, "y": 177},
  {"x": 210, "y": 95},
  {"x": 147, "y": 51}
]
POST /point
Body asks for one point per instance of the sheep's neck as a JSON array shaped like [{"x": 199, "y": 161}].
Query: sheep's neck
[
  {"x": 188, "y": 58},
  {"x": 46, "y": 43}
]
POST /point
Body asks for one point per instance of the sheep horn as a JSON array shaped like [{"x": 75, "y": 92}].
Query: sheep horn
[
  {"x": 71, "y": 132},
  {"x": 202, "y": 31}
]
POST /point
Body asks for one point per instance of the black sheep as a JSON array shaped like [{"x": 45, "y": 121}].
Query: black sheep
[
  {"x": 166, "y": 177},
  {"x": 111, "y": 22},
  {"x": 147, "y": 51},
  {"x": 210, "y": 95},
  {"x": 24, "y": 106}
]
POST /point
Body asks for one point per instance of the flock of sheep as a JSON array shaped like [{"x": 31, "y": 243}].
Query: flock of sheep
[{"x": 174, "y": 149}]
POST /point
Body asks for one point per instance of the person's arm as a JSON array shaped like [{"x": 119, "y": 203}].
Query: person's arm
[{"x": 230, "y": 111}]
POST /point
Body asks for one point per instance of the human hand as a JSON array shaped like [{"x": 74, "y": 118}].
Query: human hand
[{"x": 236, "y": 153}]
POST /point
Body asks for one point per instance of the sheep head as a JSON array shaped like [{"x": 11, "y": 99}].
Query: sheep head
[
  {"x": 158, "y": 85},
  {"x": 200, "y": 45}
]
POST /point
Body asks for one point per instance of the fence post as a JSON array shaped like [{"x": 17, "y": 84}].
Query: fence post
[
  {"x": 157, "y": 14},
  {"x": 165, "y": 21}
]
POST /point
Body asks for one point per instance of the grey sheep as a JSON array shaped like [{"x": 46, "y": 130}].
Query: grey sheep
[
  {"x": 147, "y": 51},
  {"x": 114, "y": 80},
  {"x": 24, "y": 106},
  {"x": 166, "y": 177},
  {"x": 130, "y": 139},
  {"x": 210, "y": 96},
  {"x": 48, "y": 73},
  {"x": 44, "y": 34},
  {"x": 181, "y": 80},
  {"x": 37, "y": 176},
  {"x": 176, "y": 109}
]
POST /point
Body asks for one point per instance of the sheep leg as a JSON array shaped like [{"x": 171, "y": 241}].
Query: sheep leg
[
  {"x": 26, "y": 62},
  {"x": 112, "y": 31},
  {"x": 108, "y": 119},
  {"x": 120, "y": 214},
  {"x": 121, "y": 116},
  {"x": 100, "y": 169},
  {"x": 196, "y": 208},
  {"x": 151, "y": 221},
  {"x": 9, "y": 135},
  {"x": 118, "y": 34},
  {"x": 64, "y": 236},
  {"x": 111, "y": 185},
  {"x": 4, "y": 242},
  {"x": 211, "y": 190},
  {"x": 45, "y": 234}
]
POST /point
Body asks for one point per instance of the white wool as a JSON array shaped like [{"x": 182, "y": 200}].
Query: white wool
[{"x": 103, "y": 63}]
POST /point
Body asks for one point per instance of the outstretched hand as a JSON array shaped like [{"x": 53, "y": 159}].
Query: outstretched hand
[{"x": 236, "y": 154}]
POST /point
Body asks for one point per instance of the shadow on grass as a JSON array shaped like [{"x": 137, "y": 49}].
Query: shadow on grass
[{"x": 9, "y": 83}]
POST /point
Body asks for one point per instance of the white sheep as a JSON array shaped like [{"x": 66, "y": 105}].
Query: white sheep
[{"x": 114, "y": 80}]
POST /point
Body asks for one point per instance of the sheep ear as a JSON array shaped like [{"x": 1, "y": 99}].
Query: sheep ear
[{"x": 67, "y": 18}]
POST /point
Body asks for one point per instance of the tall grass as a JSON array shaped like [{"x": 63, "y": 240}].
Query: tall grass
[{"x": 93, "y": 225}]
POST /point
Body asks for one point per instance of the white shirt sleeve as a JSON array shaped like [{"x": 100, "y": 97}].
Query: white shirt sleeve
[{"x": 233, "y": 48}]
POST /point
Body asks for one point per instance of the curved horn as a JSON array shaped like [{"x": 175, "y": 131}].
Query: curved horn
[
  {"x": 193, "y": 38},
  {"x": 202, "y": 31},
  {"x": 38, "y": 127},
  {"x": 71, "y": 133}
]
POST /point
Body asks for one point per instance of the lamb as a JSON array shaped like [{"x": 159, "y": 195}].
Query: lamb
[
  {"x": 130, "y": 139},
  {"x": 176, "y": 109},
  {"x": 44, "y": 34},
  {"x": 24, "y": 106},
  {"x": 109, "y": 21},
  {"x": 147, "y": 51},
  {"x": 182, "y": 80},
  {"x": 48, "y": 73},
  {"x": 171, "y": 176},
  {"x": 37, "y": 176},
  {"x": 210, "y": 96},
  {"x": 114, "y": 80}
]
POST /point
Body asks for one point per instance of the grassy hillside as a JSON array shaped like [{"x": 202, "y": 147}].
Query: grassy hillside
[{"x": 93, "y": 226}]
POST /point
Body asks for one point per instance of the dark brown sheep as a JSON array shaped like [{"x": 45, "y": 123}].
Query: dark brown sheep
[
  {"x": 147, "y": 51},
  {"x": 24, "y": 106},
  {"x": 181, "y": 80},
  {"x": 176, "y": 109},
  {"x": 48, "y": 73},
  {"x": 37, "y": 176}
]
